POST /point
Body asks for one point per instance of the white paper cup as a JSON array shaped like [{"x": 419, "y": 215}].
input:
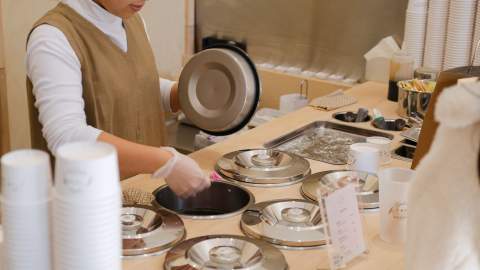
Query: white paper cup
[
  {"x": 363, "y": 157},
  {"x": 394, "y": 184},
  {"x": 86, "y": 171},
  {"x": 26, "y": 229},
  {"x": 292, "y": 102},
  {"x": 383, "y": 144},
  {"x": 26, "y": 177}
]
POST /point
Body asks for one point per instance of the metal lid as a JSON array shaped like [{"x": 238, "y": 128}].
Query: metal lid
[
  {"x": 263, "y": 167},
  {"x": 225, "y": 252},
  {"x": 290, "y": 224},
  {"x": 219, "y": 90},
  {"x": 147, "y": 231},
  {"x": 367, "y": 186}
]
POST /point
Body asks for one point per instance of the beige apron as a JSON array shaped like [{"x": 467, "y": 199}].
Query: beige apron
[{"x": 121, "y": 90}]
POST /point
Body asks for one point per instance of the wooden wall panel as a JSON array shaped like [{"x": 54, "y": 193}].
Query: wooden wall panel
[
  {"x": 4, "y": 130},
  {"x": 275, "y": 84}
]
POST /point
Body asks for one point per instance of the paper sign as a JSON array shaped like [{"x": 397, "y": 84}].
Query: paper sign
[{"x": 345, "y": 226}]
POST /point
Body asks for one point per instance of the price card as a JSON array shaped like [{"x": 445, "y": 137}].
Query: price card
[{"x": 344, "y": 222}]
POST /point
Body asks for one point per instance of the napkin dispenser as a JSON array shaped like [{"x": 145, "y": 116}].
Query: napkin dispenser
[{"x": 446, "y": 79}]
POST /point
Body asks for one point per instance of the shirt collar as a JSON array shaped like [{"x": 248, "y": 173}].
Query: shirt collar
[{"x": 94, "y": 12}]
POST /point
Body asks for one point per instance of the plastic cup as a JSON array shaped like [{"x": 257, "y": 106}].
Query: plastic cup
[{"x": 394, "y": 184}]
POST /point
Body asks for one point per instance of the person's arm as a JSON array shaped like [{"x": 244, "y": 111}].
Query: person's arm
[
  {"x": 169, "y": 96},
  {"x": 134, "y": 158}
]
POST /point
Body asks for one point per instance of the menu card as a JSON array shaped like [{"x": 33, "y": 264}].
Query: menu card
[{"x": 344, "y": 225}]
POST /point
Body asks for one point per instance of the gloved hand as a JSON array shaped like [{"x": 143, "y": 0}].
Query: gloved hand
[{"x": 182, "y": 174}]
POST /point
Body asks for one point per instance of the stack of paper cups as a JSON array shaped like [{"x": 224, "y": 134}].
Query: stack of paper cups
[
  {"x": 415, "y": 28},
  {"x": 87, "y": 205},
  {"x": 461, "y": 19},
  {"x": 26, "y": 197},
  {"x": 476, "y": 38},
  {"x": 436, "y": 34}
]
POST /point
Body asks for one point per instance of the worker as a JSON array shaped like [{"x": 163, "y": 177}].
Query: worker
[{"x": 92, "y": 76}]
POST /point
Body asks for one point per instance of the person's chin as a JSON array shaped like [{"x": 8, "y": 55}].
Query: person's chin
[{"x": 127, "y": 14}]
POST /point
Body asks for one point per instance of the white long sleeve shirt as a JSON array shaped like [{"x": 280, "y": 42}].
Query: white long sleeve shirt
[{"x": 55, "y": 71}]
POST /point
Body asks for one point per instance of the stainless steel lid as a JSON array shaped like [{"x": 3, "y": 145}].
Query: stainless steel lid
[
  {"x": 224, "y": 252},
  {"x": 290, "y": 224},
  {"x": 262, "y": 167},
  {"x": 219, "y": 90},
  {"x": 367, "y": 186},
  {"x": 147, "y": 231}
]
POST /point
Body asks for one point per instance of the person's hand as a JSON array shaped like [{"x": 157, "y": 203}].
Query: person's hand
[{"x": 182, "y": 174}]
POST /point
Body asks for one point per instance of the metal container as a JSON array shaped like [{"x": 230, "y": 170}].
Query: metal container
[
  {"x": 224, "y": 252},
  {"x": 221, "y": 200},
  {"x": 263, "y": 167},
  {"x": 324, "y": 141},
  {"x": 288, "y": 224},
  {"x": 349, "y": 117},
  {"x": 366, "y": 186},
  {"x": 391, "y": 125},
  {"x": 219, "y": 90},
  {"x": 412, "y": 102},
  {"x": 404, "y": 152},
  {"x": 147, "y": 231}
]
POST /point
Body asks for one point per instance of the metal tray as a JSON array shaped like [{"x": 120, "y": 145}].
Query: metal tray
[{"x": 324, "y": 141}]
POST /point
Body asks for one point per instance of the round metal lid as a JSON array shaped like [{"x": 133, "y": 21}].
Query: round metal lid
[
  {"x": 263, "y": 167},
  {"x": 219, "y": 90},
  {"x": 225, "y": 252},
  {"x": 367, "y": 186},
  {"x": 289, "y": 224},
  {"x": 147, "y": 231}
]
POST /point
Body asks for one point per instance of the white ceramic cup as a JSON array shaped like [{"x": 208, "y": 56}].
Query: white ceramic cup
[
  {"x": 383, "y": 144},
  {"x": 26, "y": 177},
  {"x": 292, "y": 102},
  {"x": 86, "y": 172},
  {"x": 364, "y": 157},
  {"x": 394, "y": 184}
]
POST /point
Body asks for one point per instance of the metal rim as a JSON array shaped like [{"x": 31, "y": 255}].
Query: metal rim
[
  {"x": 288, "y": 171},
  {"x": 210, "y": 217},
  {"x": 225, "y": 252},
  {"x": 240, "y": 116},
  {"x": 289, "y": 230},
  {"x": 153, "y": 242},
  {"x": 258, "y": 91},
  {"x": 315, "y": 178}
]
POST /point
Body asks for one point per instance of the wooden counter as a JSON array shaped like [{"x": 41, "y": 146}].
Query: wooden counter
[{"x": 381, "y": 256}]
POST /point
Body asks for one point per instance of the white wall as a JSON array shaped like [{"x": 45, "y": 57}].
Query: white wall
[
  {"x": 18, "y": 18},
  {"x": 166, "y": 25},
  {"x": 165, "y": 21}
]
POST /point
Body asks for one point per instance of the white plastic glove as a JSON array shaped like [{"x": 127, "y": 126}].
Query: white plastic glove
[{"x": 182, "y": 174}]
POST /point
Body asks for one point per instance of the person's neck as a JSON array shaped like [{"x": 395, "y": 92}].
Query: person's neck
[{"x": 100, "y": 4}]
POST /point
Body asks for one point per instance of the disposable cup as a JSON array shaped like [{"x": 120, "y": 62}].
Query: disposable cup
[
  {"x": 394, "y": 184},
  {"x": 363, "y": 157},
  {"x": 86, "y": 171},
  {"x": 26, "y": 176},
  {"x": 383, "y": 144}
]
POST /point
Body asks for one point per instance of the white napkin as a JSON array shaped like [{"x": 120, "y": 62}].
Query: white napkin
[{"x": 333, "y": 101}]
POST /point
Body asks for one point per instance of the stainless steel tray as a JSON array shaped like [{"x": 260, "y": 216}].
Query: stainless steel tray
[{"x": 324, "y": 141}]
